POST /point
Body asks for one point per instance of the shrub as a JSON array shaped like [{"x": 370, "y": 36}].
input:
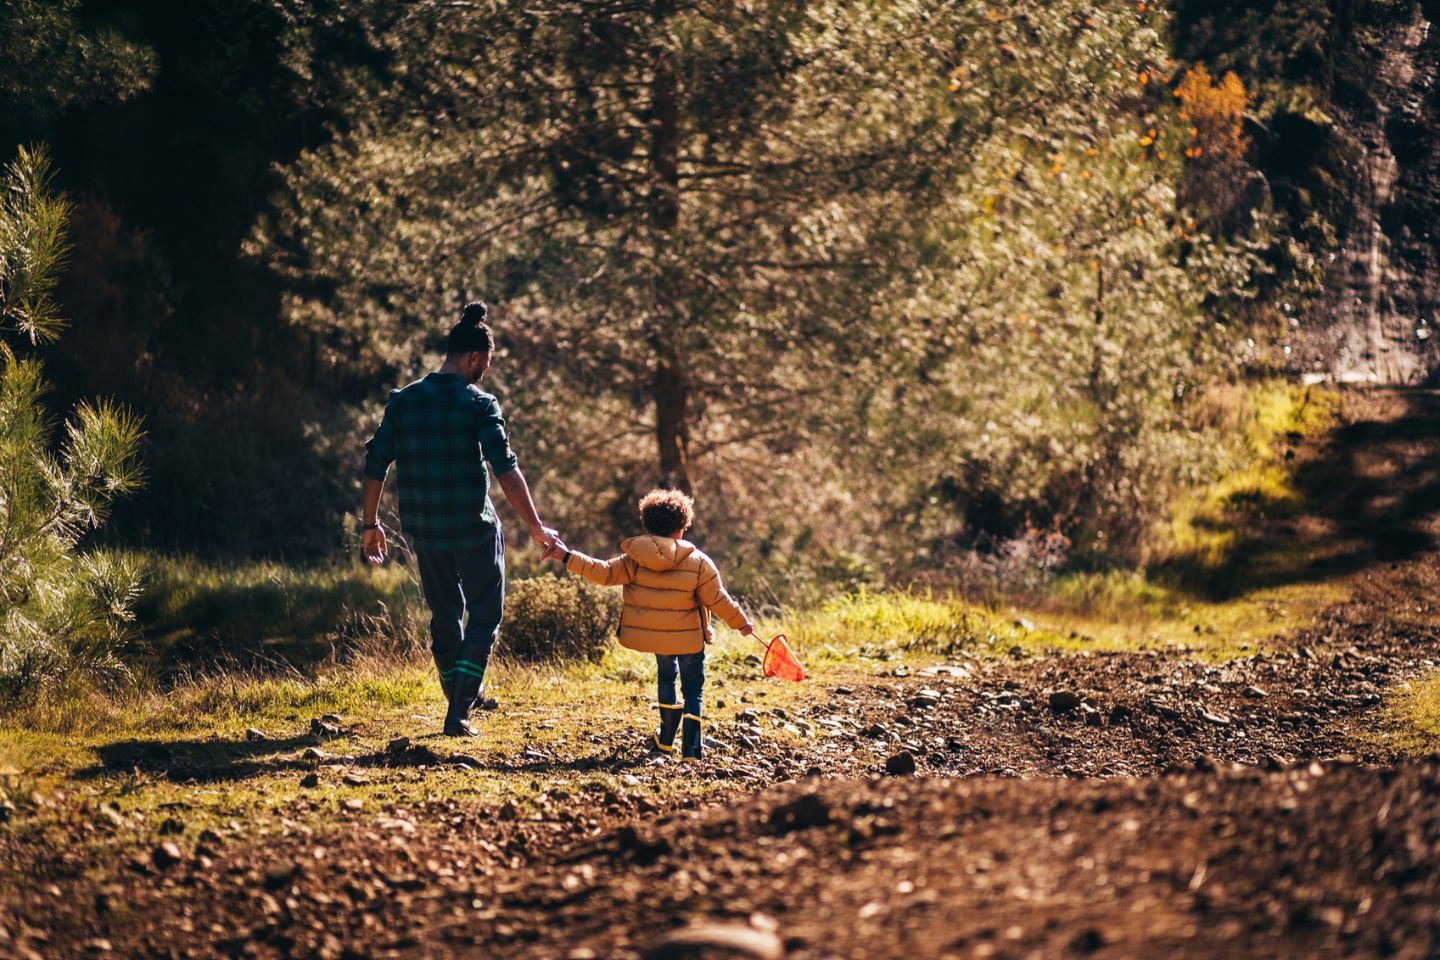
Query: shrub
[{"x": 547, "y": 618}]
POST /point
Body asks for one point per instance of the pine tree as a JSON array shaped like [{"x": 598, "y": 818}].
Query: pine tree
[{"x": 62, "y": 609}]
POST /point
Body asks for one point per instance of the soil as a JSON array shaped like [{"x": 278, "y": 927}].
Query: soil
[{"x": 1120, "y": 805}]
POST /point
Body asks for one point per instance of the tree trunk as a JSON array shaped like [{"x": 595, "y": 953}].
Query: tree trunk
[
  {"x": 672, "y": 402},
  {"x": 671, "y": 385}
]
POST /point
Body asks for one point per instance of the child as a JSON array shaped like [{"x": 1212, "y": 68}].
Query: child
[{"x": 671, "y": 589}]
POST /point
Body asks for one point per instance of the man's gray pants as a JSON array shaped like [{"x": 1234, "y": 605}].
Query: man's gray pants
[{"x": 457, "y": 583}]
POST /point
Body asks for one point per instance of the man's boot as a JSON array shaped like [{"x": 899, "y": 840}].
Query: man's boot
[
  {"x": 690, "y": 738},
  {"x": 457, "y": 717},
  {"x": 669, "y": 724},
  {"x": 466, "y": 687}
]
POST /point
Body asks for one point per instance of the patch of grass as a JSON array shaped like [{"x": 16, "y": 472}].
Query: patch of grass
[
  {"x": 1216, "y": 542},
  {"x": 1413, "y": 717},
  {"x": 1084, "y": 612},
  {"x": 194, "y": 614},
  {"x": 878, "y": 623}
]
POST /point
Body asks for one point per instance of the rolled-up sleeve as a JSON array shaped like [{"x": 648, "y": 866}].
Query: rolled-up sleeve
[
  {"x": 494, "y": 439},
  {"x": 380, "y": 449}
]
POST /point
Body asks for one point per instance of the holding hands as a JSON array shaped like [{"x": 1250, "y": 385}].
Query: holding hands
[{"x": 548, "y": 539}]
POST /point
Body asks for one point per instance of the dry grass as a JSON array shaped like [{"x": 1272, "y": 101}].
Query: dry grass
[{"x": 1413, "y": 717}]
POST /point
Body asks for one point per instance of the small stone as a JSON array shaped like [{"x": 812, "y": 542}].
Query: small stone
[
  {"x": 398, "y": 824},
  {"x": 99, "y": 945},
  {"x": 353, "y": 804},
  {"x": 166, "y": 855},
  {"x": 1216, "y": 718},
  {"x": 508, "y": 811},
  {"x": 901, "y": 764},
  {"x": 280, "y": 873},
  {"x": 320, "y": 727},
  {"x": 1254, "y": 692},
  {"x": 314, "y": 753},
  {"x": 355, "y": 780},
  {"x": 331, "y": 718},
  {"x": 310, "y": 780},
  {"x": 254, "y": 734},
  {"x": 843, "y": 691},
  {"x": 716, "y": 939},
  {"x": 398, "y": 745},
  {"x": 1063, "y": 701},
  {"x": 875, "y": 731},
  {"x": 925, "y": 699},
  {"x": 171, "y": 827}
]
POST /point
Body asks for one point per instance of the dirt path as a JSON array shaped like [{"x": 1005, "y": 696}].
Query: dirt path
[{"x": 1124, "y": 804}]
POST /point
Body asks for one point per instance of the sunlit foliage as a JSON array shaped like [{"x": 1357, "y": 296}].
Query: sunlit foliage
[
  {"x": 877, "y": 280},
  {"x": 60, "y": 610}
]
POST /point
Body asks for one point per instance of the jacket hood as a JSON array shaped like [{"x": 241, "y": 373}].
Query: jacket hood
[{"x": 657, "y": 553}]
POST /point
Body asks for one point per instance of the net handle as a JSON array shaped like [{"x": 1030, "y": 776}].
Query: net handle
[{"x": 765, "y": 643}]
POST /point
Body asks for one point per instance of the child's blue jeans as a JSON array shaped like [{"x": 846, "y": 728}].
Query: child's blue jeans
[{"x": 691, "y": 668}]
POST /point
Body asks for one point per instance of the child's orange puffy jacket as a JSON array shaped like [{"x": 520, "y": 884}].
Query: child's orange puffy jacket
[{"x": 671, "y": 588}]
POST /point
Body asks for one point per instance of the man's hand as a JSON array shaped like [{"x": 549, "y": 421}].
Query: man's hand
[
  {"x": 556, "y": 550},
  {"x": 748, "y": 630},
  {"x": 374, "y": 545},
  {"x": 544, "y": 538}
]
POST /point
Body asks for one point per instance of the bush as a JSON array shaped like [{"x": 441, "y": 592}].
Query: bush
[{"x": 547, "y": 618}]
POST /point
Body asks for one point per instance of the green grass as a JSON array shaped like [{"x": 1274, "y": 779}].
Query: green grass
[
  {"x": 196, "y": 614},
  {"x": 1091, "y": 612},
  {"x": 1413, "y": 717},
  {"x": 1216, "y": 543}
]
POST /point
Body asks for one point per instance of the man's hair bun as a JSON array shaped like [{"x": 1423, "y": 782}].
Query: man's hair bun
[
  {"x": 471, "y": 333},
  {"x": 475, "y": 313}
]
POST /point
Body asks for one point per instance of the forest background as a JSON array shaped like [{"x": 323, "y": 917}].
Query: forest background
[{"x": 966, "y": 293}]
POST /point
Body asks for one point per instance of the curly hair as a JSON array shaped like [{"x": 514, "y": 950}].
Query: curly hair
[{"x": 666, "y": 513}]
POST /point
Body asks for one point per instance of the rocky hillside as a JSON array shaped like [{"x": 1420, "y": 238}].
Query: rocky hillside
[{"x": 1377, "y": 319}]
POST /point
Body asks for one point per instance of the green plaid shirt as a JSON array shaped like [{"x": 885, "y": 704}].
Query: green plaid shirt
[{"x": 439, "y": 432}]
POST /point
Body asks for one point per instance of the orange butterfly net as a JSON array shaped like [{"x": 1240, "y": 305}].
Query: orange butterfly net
[{"x": 780, "y": 660}]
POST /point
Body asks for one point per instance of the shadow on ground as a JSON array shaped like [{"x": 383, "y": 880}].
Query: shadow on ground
[
  {"x": 222, "y": 761},
  {"x": 1369, "y": 495}
]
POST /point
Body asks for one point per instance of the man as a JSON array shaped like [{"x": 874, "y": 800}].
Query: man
[{"x": 440, "y": 431}]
